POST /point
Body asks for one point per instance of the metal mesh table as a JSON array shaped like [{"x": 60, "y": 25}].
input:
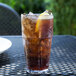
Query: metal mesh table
[{"x": 62, "y": 61}]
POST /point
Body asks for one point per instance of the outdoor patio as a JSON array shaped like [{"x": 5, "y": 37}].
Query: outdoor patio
[{"x": 63, "y": 48}]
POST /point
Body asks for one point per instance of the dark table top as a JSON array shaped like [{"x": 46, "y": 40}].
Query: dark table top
[{"x": 62, "y": 61}]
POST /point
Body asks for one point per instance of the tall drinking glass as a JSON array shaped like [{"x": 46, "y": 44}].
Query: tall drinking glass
[{"x": 37, "y": 32}]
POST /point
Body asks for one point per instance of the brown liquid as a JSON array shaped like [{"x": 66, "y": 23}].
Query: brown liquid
[
  {"x": 37, "y": 42},
  {"x": 46, "y": 28},
  {"x": 38, "y": 53}
]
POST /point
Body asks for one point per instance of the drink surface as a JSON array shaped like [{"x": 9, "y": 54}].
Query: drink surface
[{"x": 37, "y": 34}]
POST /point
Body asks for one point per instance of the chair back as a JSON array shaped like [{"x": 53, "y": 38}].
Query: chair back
[{"x": 9, "y": 21}]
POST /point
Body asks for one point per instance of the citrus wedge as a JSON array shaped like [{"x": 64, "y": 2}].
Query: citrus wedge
[{"x": 42, "y": 16}]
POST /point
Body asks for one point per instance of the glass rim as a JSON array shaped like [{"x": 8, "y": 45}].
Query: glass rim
[{"x": 35, "y": 14}]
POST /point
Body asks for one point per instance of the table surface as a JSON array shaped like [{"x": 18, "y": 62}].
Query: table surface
[{"x": 63, "y": 57}]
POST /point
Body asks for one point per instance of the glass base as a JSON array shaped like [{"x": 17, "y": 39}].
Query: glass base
[{"x": 45, "y": 71}]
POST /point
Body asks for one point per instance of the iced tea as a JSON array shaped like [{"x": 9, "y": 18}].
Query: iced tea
[{"x": 37, "y": 33}]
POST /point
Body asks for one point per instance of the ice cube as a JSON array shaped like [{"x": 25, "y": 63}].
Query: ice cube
[
  {"x": 30, "y": 13},
  {"x": 46, "y": 11},
  {"x": 49, "y": 12}
]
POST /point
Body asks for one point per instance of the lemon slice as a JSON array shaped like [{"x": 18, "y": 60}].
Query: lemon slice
[
  {"x": 42, "y": 16},
  {"x": 37, "y": 25}
]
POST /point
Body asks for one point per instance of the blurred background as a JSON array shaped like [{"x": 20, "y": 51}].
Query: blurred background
[{"x": 64, "y": 12}]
